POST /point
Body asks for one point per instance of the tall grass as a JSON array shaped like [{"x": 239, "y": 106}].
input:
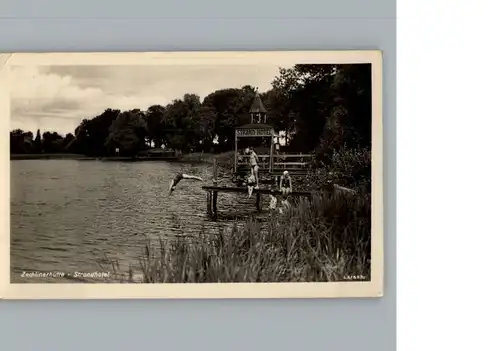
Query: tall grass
[{"x": 325, "y": 239}]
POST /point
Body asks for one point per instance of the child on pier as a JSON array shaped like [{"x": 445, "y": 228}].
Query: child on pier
[{"x": 285, "y": 184}]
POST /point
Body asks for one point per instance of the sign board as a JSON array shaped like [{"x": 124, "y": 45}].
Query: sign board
[{"x": 254, "y": 132}]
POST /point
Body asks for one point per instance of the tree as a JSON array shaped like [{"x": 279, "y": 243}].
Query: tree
[
  {"x": 305, "y": 96},
  {"x": 155, "y": 121},
  {"x": 207, "y": 118},
  {"x": 192, "y": 121},
  {"x": 278, "y": 111},
  {"x": 352, "y": 87},
  {"x": 128, "y": 133},
  {"x": 183, "y": 123},
  {"x": 68, "y": 143},
  {"x": 280, "y": 100},
  {"x": 37, "y": 144},
  {"x": 92, "y": 134},
  {"x": 20, "y": 141},
  {"x": 323, "y": 102},
  {"x": 81, "y": 142},
  {"x": 52, "y": 142},
  {"x": 225, "y": 109}
]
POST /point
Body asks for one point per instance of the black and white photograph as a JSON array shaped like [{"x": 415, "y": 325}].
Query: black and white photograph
[{"x": 245, "y": 169}]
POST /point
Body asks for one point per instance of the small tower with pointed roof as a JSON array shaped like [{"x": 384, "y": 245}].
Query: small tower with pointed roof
[
  {"x": 258, "y": 113},
  {"x": 257, "y": 132}
]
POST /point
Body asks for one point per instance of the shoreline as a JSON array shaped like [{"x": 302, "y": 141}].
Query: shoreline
[
  {"x": 194, "y": 157},
  {"x": 14, "y": 157}
]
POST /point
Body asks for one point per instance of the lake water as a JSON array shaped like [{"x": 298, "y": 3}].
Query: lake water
[{"x": 68, "y": 214}]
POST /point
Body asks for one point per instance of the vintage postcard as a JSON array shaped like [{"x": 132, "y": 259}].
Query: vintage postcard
[{"x": 191, "y": 175}]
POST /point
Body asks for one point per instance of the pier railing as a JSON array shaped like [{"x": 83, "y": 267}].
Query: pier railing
[{"x": 278, "y": 163}]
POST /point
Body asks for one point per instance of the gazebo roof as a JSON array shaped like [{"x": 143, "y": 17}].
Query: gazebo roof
[{"x": 257, "y": 105}]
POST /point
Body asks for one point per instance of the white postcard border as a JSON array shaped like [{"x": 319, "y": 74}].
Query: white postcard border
[{"x": 374, "y": 288}]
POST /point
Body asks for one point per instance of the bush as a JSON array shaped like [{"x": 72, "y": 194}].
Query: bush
[{"x": 346, "y": 167}]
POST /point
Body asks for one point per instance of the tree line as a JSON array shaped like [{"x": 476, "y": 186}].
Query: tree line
[{"x": 320, "y": 108}]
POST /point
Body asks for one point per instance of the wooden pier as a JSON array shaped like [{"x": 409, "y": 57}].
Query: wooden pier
[{"x": 213, "y": 191}]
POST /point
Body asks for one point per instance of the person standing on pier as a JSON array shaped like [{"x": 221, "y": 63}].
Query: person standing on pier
[{"x": 254, "y": 166}]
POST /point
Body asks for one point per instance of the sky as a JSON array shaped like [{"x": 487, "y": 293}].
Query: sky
[{"x": 58, "y": 98}]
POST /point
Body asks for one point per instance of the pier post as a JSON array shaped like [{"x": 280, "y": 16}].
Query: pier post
[
  {"x": 214, "y": 204},
  {"x": 209, "y": 203},
  {"x": 257, "y": 201},
  {"x": 214, "y": 178},
  {"x": 271, "y": 155}
]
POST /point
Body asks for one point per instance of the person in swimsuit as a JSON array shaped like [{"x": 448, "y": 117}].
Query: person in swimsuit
[
  {"x": 254, "y": 166},
  {"x": 285, "y": 184},
  {"x": 285, "y": 187},
  {"x": 178, "y": 178}
]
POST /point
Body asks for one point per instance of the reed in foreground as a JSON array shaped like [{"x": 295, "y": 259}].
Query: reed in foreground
[{"x": 324, "y": 239}]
